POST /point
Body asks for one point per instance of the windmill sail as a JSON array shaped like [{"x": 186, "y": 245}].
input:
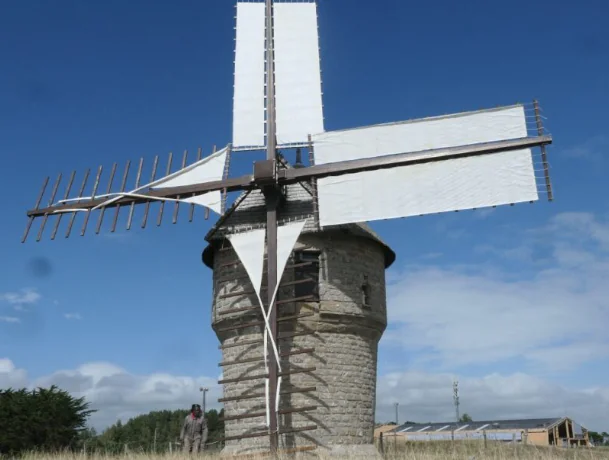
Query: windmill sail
[
  {"x": 299, "y": 110},
  {"x": 441, "y": 186},
  {"x": 297, "y": 73},
  {"x": 249, "y": 98}
]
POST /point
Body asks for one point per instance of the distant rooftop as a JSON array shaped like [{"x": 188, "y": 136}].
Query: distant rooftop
[{"x": 518, "y": 424}]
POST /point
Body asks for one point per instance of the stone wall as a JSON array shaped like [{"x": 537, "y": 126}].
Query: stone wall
[{"x": 345, "y": 341}]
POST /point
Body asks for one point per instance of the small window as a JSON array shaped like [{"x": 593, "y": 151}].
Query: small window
[
  {"x": 306, "y": 274},
  {"x": 366, "y": 293}
]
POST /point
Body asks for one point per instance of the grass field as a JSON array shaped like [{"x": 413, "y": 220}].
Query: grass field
[{"x": 419, "y": 451}]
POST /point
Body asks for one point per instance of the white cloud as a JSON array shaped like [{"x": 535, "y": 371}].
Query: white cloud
[
  {"x": 551, "y": 311},
  {"x": 72, "y": 316},
  {"x": 595, "y": 148},
  {"x": 9, "y": 319},
  {"x": 24, "y": 297},
  {"x": 115, "y": 392},
  {"x": 425, "y": 397}
]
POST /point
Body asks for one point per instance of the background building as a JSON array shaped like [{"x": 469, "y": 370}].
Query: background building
[{"x": 540, "y": 431}]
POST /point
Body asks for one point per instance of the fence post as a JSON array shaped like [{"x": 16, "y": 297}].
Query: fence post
[{"x": 484, "y": 437}]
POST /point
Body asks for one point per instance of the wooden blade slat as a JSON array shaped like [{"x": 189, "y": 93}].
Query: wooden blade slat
[
  {"x": 224, "y": 177},
  {"x": 88, "y": 215},
  {"x": 108, "y": 190},
  {"x": 152, "y": 177},
  {"x": 177, "y": 205},
  {"x": 80, "y": 192},
  {"x": 192, "y": 206},
  {"x": 46, "y": 216},
  {"x": 36, "y": 206},
  {"x": 118, "y": 206},
  {"x": 207, "y": 209},
  {"x": 137, "y": 184},
  {"x": 65, "y": 197},
  {"x": 168, "y": 171}
]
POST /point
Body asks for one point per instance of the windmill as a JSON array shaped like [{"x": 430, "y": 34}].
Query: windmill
[{"x": 450, "y": 163}]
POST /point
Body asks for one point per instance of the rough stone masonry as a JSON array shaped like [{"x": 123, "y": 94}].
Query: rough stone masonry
[{"x": 344, "y": 320}]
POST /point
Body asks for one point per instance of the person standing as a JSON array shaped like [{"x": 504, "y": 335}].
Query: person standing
[{"x": 194, "y": 431}]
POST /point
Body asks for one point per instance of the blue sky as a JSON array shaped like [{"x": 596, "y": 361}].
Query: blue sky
[{"x": 90, "y": 83}]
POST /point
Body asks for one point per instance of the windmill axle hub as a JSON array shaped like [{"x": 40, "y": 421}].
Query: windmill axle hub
[{"x": 265, "y": 173}]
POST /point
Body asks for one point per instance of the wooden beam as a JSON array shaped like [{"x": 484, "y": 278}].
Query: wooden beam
[
  {"x": 261, "y": 395},
  {"x": 293, "y": 410},
  {"x": 303, "y": 370},
  {"x": 266, "y": 433},
  {"x": 286, "y": 354},
  {"x": 290, "y": 176}
]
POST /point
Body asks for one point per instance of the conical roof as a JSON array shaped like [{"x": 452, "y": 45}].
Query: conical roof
[{"x": 248, "y": 212}]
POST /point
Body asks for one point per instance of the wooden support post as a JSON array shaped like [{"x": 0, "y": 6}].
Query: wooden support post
[{"x": 544, "y": 155}]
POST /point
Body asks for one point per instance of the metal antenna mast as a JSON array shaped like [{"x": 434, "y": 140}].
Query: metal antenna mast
[{"x": 456, "y": 399}]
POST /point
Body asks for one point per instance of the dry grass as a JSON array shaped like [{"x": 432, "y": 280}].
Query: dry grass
[{"x": 416, "y": 451}]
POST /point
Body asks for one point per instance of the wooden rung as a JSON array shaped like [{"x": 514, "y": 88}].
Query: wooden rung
[
  {"x": 297, "y": 410},
  {"x": 289, "y": 318},
  {"x": 252, "y": 292},
  {"x": 298, "y": 430},
  {"x": 243, "y": 379},
  {"x": 288, "y": 335},
  {"x": 293, "y": 410},
  {"x": 242, "y": 397},
  {"x": 303, "y": 370},
  {"x": 297, "y": 299},
  {"x": 263, "y": 376},
  {"x": 242, "y": 416},
  {"x": 240, "y": 343},
  {"x": 291, "y": 335},
  {"x": 261, "y": 395},
  {"x": 266, "y": 433},
  {"x": 223, "y": 279},
  {"x": 291, "y": 391},
  {"x": 245, "y": 436},
  {"x": 241, "y": 326},
  {"x": 259, "y": 358},
  {"x": 231, "y": 311},
  {"x": 261, "y": 323}
]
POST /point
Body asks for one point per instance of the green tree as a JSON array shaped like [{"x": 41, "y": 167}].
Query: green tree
[
  {"x": 40, "y": 419},
  {"x": 155, "y": 431},
  {"x": 465, "y": 418}
]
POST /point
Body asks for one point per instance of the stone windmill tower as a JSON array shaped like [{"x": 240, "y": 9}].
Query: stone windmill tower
[
  {"x": 299, "y": 302},
  {"x": 333, "y": 313}
]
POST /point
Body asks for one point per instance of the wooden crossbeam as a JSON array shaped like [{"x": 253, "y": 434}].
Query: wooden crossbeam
[
  {"x": 251, "y": 292},
  {"x": 288, "y": 391},
  {"x": 303, "y": 370},
  {"x": 266, "y": 433},
  {"x": 261, "y": 323},
  {"x": 289, "y": 335},
  {"x": 293, "y": 410},
  {"x": 286, "y": 354},
  {"x": 294, "y": 175}
]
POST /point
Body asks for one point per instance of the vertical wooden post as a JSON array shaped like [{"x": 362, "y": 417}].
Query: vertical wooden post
[
  {"x": 272, "y": 199},
  {"x": 544, "y": 155}
]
